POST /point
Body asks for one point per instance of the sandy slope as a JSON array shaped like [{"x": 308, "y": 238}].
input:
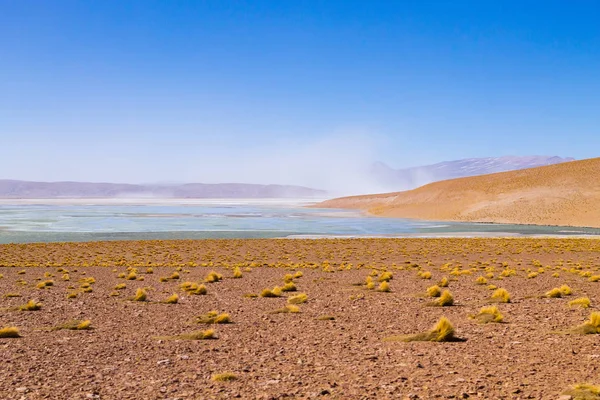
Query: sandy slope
[{"x": 565, "y": 194}]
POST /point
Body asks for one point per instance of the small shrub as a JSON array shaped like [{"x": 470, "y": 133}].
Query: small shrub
[
  {"x": 174, "y": 275},
  {"x": 289, "y": 308},
  {"x": 196, "y": 335},
  {"x": 149, "y": 270},
  {"x": 591, "y": 326},
  {"x": 445, "y": 299},
  {"x": 132, "y": 276},
  {"x": 434, "y": 291},
  {"x": 45, "y": 284},
  {"x": 120, "y": 286},
  {"x": 384, "y": 287},
  {"x": 298, "y": 299},
  {"x": 237, "y": 273},
  {"x": 594, "y": 278},
  {"x": 582, "y": 302},
  {"x": 213, "y": 317},
  {"x": 173, "y": 299},
  {"x": 385, "y": 277},
  {"x": 501, "y": 296},
  {"x": 289, "y": 287},
  {"x": 74, "y": 325},
  {"x": 31, "y": 305},
  {"x": 9, "y": 332},
  {"x": 140, "y": 295},
  {"x": 488, "y": 314},
  {"x": 224, "y": 377},
  {"x": 481, "y": 281},
  {"x": 443, "y": 331},
  {"x": 444, "y": 282},
  {"x": 298, "y": 274},
  {"x": 72, "y": 295},
  {"x": 213, "y": 277},
  {"x": 565, "y": 290},
  {"x": 288, "y": 278},
  {"x": 554, "y": 293},
  {"x": 583, "y": 391},
  {"x": 425, "y": 275},
  {"x": 325, "y": 318},
  {"x": 532, "y": 275}
]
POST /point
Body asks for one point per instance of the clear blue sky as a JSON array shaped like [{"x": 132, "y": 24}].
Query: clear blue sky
[{"x": 260, "y": 91}]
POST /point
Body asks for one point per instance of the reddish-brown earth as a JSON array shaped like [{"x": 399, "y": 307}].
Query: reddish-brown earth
[{"x": 277, "y": 356}]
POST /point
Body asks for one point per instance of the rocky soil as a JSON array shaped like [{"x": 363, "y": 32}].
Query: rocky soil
[{"x": 297, "y": 355}]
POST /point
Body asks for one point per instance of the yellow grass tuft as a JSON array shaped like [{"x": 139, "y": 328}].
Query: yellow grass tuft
[
  {"x": 120, "y": 286},
  {"x": 434, "y": 291},
  {"x": 444, "y": 282},
  {"x": 194, "y": 288},
  {"x": 501, "y": 296},
  {"x": 72, "y": 295},
  {"x": 196, "y": 335},
  {"x": 74, "y": 325},
  {"x": 298, "y": 299},
  {"x": 132, "y": 276},
  {"x": 443, "y": 331},
  {"x": 583, "y": 391},
  {"x": 213, "y": 317},
  {"x": 173, "y": 299},
  {"x": 384, "y": 287},
  {"x": 425, "y": 275},
  {"x": 591, "y": 326},
  {"x": 565, "y": 290},
  {"x": 488, "y": 314},
  {"x": 385, "y": 277},
  {"x": 288, "y": 278},
  {"x": 289, "y": 287},
  {"x": 149, "y": 270},
  {"x": 481, "y": 281},
  {"x": 554, "y": 293},
  {"x": 213, "y": 277},
  {"x": 445, "y": 299},
  {"x": 270, "y": 293},
  {"x": 289, "y": 308},
  {"x": 224, "y": 377},
  {"x": 583, "y": 302},
  {"x": 44, "y": 284},
  {"x": 298, "y": 274},
  {"x": 9, "y": 332},
  {"x": 237, "y": 273},
  {"x": 140, "y": 295},
  {"x": 31, "y": 305},
  {"x": 325, "y": 318}
]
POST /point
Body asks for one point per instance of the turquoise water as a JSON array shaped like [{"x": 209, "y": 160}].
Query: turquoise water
[{"x": 55, "y": 221}]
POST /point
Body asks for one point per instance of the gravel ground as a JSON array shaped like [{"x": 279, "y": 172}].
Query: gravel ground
[{"x": 277, "y": 356}]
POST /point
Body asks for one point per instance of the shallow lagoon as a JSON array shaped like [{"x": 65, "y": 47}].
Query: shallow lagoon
[{"x": 23, "y": 221}]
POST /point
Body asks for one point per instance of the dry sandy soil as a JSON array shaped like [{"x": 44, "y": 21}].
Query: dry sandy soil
[
  {"x": 565, "y": 194},
  {"x": 277, "y": 356}
]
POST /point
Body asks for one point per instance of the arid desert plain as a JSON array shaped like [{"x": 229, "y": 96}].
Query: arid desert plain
[{"x": 328, "y": 318}]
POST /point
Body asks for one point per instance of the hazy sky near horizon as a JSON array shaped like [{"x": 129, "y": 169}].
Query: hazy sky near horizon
[{"x": 299, "y": 92}]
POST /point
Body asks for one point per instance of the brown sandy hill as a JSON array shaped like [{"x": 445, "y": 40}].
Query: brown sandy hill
[{"x": 564, "y": 194}]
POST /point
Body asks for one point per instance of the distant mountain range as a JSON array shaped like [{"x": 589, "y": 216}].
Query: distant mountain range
[
  {"x": 14, "y": 189},
  {"x": 380, "y": 175},
  {"x": 410, "y": 178}
]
